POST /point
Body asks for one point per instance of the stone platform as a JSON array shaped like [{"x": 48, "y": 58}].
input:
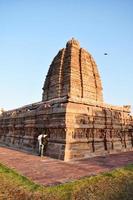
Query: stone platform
[{"x": 48, "y": 171}]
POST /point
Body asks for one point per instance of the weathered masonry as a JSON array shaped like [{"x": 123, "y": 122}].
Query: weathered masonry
[{"x": 72, "y": 112}]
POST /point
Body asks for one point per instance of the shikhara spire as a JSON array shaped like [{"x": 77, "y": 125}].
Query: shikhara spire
[{"x": 73, "y": 73}]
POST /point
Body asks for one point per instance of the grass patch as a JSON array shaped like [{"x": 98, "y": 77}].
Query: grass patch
[
  {"x": 114, "y": 185},
  {"x": 16, "y": 178}
]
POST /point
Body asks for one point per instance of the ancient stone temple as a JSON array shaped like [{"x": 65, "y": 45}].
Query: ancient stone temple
[{"x": 72, "y": 112}]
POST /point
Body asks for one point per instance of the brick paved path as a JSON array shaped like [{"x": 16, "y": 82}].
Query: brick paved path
[{"x": 48, "y": 171}]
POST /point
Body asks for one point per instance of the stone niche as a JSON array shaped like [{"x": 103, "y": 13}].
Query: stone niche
[{"x": 72, "y": 112}]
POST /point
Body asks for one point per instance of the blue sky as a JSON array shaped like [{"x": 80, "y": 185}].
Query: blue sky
[{"x": 32, "y": 32}]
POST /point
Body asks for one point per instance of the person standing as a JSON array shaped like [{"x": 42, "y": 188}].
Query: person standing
[{"x": 42, "y": 141}]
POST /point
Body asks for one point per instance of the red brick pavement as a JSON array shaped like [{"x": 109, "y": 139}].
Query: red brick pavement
[{"x": 48, "y": 171}]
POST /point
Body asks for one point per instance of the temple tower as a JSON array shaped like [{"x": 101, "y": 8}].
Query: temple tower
[{"x": 73, "y": 73}]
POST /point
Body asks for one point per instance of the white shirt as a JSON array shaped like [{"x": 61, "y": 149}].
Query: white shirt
[{"x": 40, "y": 138}]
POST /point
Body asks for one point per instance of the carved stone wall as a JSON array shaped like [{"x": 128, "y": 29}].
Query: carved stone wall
[
  {"x": 72, "y": 112},
  {"x": 97, "y": 130},
  {"x": 20, "y": 128}
]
